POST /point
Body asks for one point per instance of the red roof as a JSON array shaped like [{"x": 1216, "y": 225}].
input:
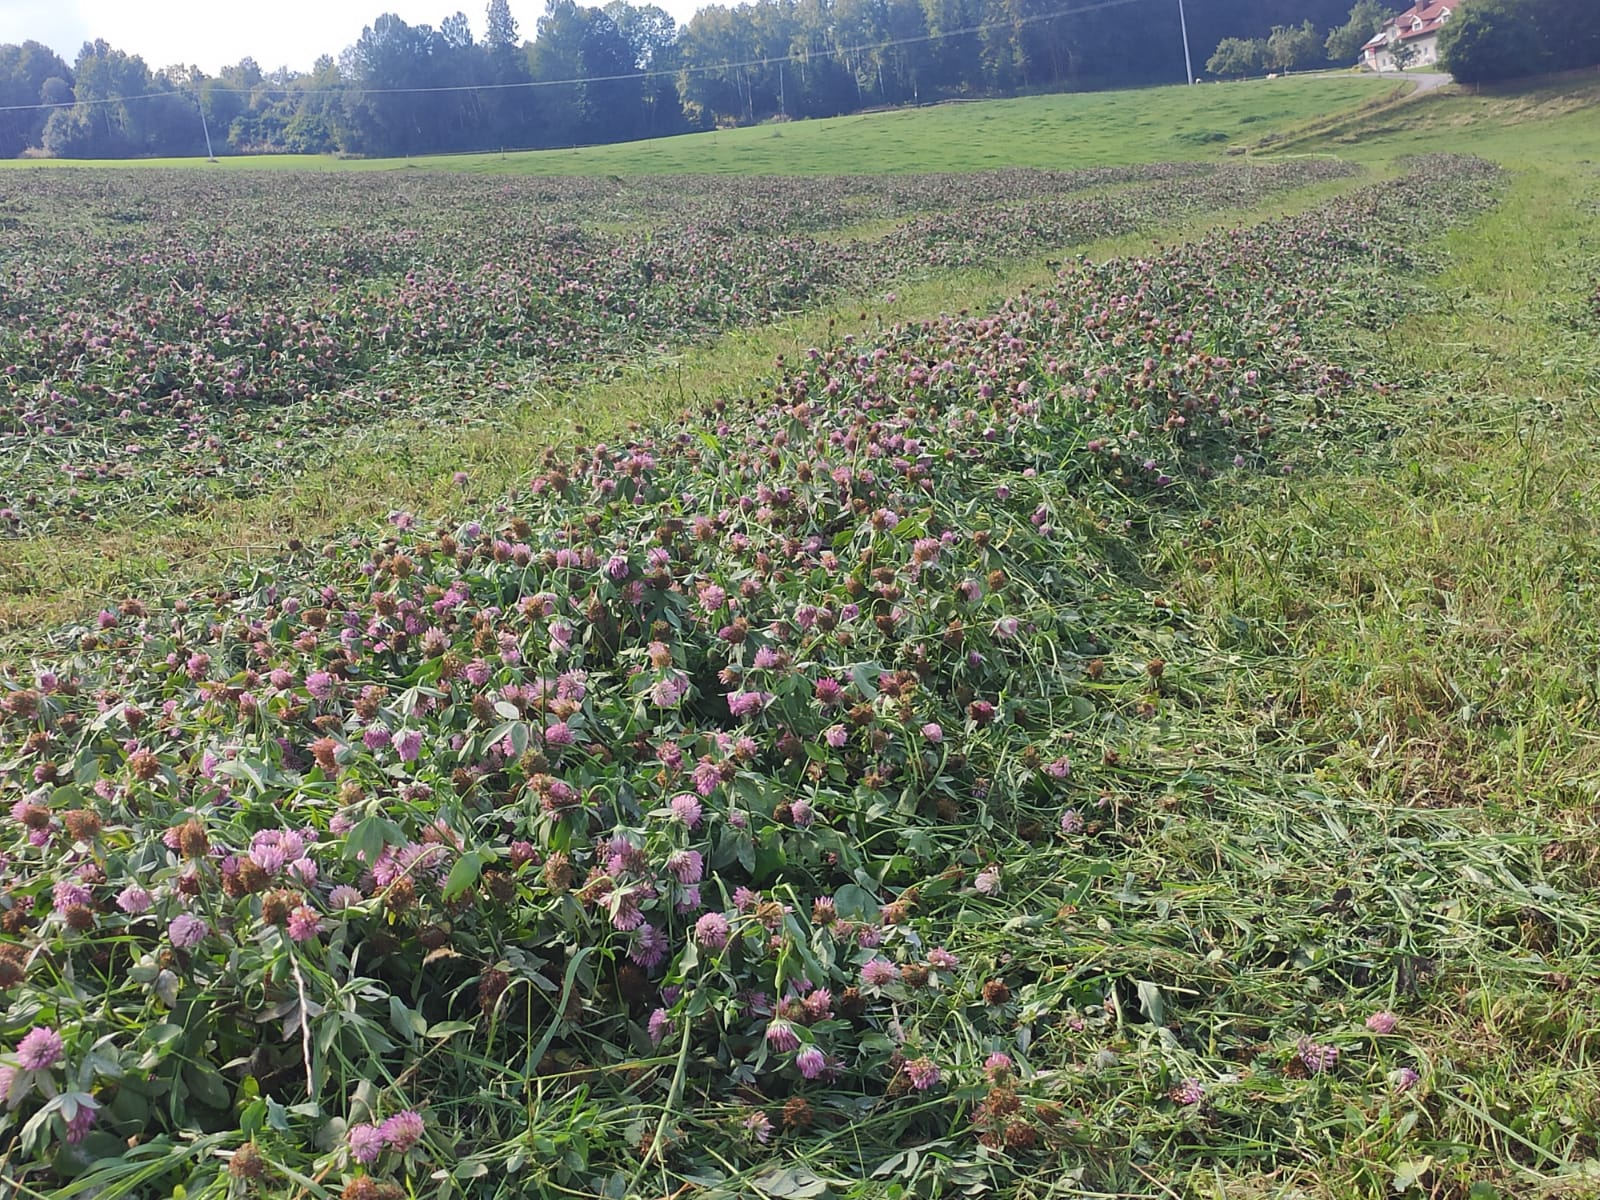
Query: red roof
[{"x": 1419, "y": 20}]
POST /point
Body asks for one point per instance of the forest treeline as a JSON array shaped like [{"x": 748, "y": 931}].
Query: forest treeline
[{"x": 607, "y": 74}]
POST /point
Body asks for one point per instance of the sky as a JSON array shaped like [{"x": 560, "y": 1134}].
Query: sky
[{"x": 210, "y": 34}]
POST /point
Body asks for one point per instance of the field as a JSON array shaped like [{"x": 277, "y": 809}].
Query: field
[
  {"x": 1071, "y": 679},
  {"x": 1083, "y": 129}
]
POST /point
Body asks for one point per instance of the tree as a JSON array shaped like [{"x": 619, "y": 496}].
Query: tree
[
  {"x": 1237, "y": 57},
  {"x": 901, "y": 68},
  {"x": 606, "y": 103},
  {"x": 957, "y": 60},
  {"x": 817, "y": 81},
  {"x": 226, "y": 99},
  {"x": 1570, "y": 32},
  {"x": 456, "y": 31},
  {"x": 1487, "y": 41},
  {"x": 27, "y": 72},
  {"x": 102, "y": 124},
  {"x": 316, "y": 122},
  {"x": 711, "y": 91},
  {"x": 55, "y": 93},
  {"x": 1289, "y": 46},
  {"x": 648, "y": 29},
  {"x": 1344, "y": 42},
  {"x": 122, "y": 110},
  {"x": 411, "y": 89},
  {"x": 652, "y": 35},
  {"x": 70, "y": 133},
  {"x": 508, "y": 107},
  {"x": 501, "y": 34}
]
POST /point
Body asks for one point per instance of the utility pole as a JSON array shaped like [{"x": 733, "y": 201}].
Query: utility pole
[
  {"x": 210, "y": 157},
  {"x": 1188, "y": 67}
]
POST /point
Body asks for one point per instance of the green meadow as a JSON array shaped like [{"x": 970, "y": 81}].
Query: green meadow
[{"x": 1082, "y": 129}]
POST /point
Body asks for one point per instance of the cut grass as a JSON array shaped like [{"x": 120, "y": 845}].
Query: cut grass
[
  {"x": 1235, "y": 892},
  {"x": 398, "y": 465},
  {"x": 1368, "y": 777},
  {"x": 1410, "y": 621},
  {"x": 1079, "y": 129},
  {"x": 1455, "y": 567}
]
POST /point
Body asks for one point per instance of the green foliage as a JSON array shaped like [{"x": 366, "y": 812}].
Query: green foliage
[
  {"x": 29, "y": 74},
  {"x": 1238, "y": 57},
  {"x": 106, "y": 123},
  {"x": 1343, "y": 44},
  {"x": 576, "y": 42},
  {"x": 1570, "y": 32},
  {"x": 308, "y": 133},
  {"x": 1496, "y": 40},
  {"x": 500, "y": 33},
  {"x": 1290, "y": 47},
  {"x": 1490, "y": 40}
]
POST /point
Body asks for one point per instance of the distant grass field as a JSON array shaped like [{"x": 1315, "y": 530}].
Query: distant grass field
[{"x": 1082, "y": 129}]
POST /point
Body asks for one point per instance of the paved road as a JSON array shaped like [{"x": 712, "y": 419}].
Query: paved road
[{"x": 1426, "y": 82}]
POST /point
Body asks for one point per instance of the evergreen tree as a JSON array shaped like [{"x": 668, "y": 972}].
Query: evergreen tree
[{"x": 501, "y": 34}]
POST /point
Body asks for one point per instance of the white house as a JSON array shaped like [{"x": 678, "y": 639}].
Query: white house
[{"x": 1410, "y": 39}]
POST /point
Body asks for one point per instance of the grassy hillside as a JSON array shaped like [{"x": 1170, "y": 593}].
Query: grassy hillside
[
  {"x": 1545, "y": 124},
  {"x": 1062, "y": 131}
]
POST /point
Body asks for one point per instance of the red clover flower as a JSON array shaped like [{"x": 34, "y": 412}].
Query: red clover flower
[
  {"x": 365, "y": 1142},
  {"x": 187, "y": 931},
  {"x": 711, "y": 931},
  {"x": 880, "y": 972},
  {"x": 402, "y": 1131},
  {"x": 40, "y": 1049},
  {"x": 1317, "y": 1056},
  {"x": 811, "y": 1061},
  {"x": 1188, "y": 1093},
  {"x": 303, "y": 923}
]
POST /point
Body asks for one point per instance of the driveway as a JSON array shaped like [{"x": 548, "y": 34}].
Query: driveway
[{"x": 1426, "y": 82}]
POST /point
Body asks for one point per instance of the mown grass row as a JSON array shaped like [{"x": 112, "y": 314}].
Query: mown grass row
[
  {"x": 195, "y": 520},
  {"x": 193, "y": 356}
]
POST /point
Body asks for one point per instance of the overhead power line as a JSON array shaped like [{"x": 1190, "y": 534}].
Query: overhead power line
[{"x": 706, "y": 69}]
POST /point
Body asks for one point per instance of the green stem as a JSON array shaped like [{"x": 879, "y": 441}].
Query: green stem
[{"x": 674, "y": 1095}]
